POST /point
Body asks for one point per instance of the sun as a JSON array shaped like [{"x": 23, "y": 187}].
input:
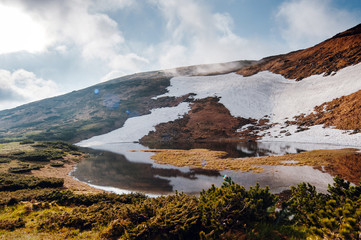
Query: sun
[{"x": 20, "y": 32}]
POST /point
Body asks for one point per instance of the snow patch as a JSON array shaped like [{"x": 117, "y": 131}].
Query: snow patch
[
  {"x": 266, "y": 93},
  {"x": 315, "y": 134},
  {"x": 137, "y": 127},
  {"x": 257, "y": 96}
]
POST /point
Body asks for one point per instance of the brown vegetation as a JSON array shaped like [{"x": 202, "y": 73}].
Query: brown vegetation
[
  {"x": 341, "y": 51},
  {"x": 208, "y": 120},
  {"x": 343, "y": 113},
  {"x": 345, "y": 163}
]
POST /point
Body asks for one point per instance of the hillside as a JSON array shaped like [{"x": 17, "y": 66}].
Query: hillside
[
  {"x": 342, "y": 50},
  {"x": 266, "y": 100},
  {"x": 263, "y": 100},
  {"x": 98, "y": 109}
]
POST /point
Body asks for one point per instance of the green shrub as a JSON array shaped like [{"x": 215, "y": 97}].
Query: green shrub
[
  {"x": 38, "y": 156},
  {"x": 12, "y": 182},
  {"x": 232, "y": 207},
  {"x": 335, "y": 215},
  {"x": 57, "y": 164},
  {"x": 24, "y": 168},
  {"x": 60, "y": 145},
  {"x": 11, "y": 225},
  {"x": 18, "y": 153},
  {"x": 27, "y": 141},
  {"x": 75, "y": 153},
  {"x": 172, "y": 217},
  {"x": 68, "y": 197},
  {"x": 115, "y": 229},
  {"x": 13, "y": 197},
  {"x": 5, "y": 160}
]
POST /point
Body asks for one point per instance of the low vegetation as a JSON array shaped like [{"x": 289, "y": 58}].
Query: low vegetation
[
  {"x": 41, "y": 208},
  {"x": 27, "y": 155},
  {"x": 13, "y": 182},
  {"x": 226, "y": 212},
  {"x": 342, "y": 113}
]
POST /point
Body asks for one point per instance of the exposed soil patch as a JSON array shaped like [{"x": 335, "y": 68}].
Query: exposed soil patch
[
  {"x": 341, "y": 51},
  {"x": 345, "y": 163},
  {"x": 208, "y": 120},
  {"x": 343, "y": 113}
]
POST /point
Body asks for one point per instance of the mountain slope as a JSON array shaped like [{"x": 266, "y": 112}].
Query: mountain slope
[
  {"x": 272, "y": 106},
  {"x": 342, "y": 50},
  {"x": 262, "y": 101},
  {"x": 98, "y": 109}
]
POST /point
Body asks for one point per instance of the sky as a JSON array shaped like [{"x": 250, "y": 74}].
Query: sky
[{"x": 51, "y": 47}]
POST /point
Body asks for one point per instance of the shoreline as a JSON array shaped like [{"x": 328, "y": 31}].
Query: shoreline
[
  {"x": 342, "y": 162},
  {"x": 70, "y": 182}
]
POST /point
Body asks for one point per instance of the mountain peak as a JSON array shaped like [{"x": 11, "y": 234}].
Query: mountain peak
[
  {"x": 340, "y": 51},
  {"x": 350, "y": 32}
]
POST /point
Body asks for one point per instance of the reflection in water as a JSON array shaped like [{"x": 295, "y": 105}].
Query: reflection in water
[
  {"x": 234, "y": 150},
  {"x": 112, "y": 169},
  {"x": 248, "y": 149},
  {"x": 120, "y": 167}
]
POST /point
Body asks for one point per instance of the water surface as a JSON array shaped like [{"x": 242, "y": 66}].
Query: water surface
[{"x": 121, "y": 167}]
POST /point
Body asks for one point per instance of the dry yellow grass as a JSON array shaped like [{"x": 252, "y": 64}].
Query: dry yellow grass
[
  {"x": 203, "y": 158},
  {"x": 14, "y": 146}
]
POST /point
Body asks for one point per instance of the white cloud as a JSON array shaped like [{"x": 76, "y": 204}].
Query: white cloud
[
  {"x": 307, "y": 22},
  {"x": 197, "y": 35},
  {"x": 81, "y": 25},
  {"x": 19, "y": 32},
  {"x": 21, "y": 86},
  {"x": 130, "y": 61},
  {"x": 110, "y": 5},
  {"x": 112, "y": 75}
]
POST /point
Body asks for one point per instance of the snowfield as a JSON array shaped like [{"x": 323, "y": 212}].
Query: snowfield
[
  {"x": 316, "y": 135},
  {"x": 255, "y": 96},
  {"x": 137, "y": 127},
  {"x": 267, "y": 93}
]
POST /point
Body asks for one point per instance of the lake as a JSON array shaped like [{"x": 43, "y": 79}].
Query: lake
[{"x": 123, "y": 168}]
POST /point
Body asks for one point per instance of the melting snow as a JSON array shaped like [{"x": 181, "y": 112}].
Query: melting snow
[
  {"x": 137, "y": 127},
  {"x": 316, "y": 134},
  {"x": 255, "y": 96},
  {"x": 267, "y": 93}
]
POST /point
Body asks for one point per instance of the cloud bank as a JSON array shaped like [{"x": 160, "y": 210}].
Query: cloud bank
[
  {"x": 23, "y": 86},
  {"x": 194, "y": 35},
  {"x": 186, "y": 32},
  {"x": 304, "y": 23}
]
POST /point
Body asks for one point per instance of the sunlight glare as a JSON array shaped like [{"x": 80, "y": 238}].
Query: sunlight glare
[{"x": 19, "y": 32}]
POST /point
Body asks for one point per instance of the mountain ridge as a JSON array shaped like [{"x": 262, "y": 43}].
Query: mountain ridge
[
  {"x": 105, "y": 107},
  {"x": 331, "y": 55},
  {"x": 99, "y": 108}
]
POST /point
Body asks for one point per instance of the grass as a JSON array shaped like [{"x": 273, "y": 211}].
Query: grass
[
  {"x": 21, "y": 157},
  {"x": 43, "y": 159},
  {"x": 39, "y": 209},
  {"x": 203, "y": 158},
  {"x": 23, "y": 220}
]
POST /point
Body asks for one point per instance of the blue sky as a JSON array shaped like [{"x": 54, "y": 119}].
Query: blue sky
[{"x": 50, "y": 47}]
